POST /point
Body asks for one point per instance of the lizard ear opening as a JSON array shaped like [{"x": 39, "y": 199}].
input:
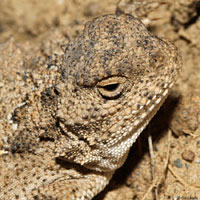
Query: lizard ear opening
[{"x": 112, "y": 87}]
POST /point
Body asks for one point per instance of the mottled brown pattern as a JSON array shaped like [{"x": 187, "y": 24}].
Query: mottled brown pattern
[{"x": 65, "y": 140}]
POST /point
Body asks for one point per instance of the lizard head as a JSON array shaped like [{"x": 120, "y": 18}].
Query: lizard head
[{"x": 115, "y": 77}]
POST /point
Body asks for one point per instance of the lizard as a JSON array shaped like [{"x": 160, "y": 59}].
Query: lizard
[{"x": 67, "y": 140}]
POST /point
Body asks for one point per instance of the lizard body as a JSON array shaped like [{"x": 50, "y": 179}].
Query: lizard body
[{"x": 67, "y": 140}]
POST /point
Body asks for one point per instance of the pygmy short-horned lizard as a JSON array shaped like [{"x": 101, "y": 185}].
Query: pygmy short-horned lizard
[{"x": 69, "y": 139}]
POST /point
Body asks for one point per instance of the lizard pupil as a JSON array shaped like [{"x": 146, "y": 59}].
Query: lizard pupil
[{"x": 111, "y": 87}]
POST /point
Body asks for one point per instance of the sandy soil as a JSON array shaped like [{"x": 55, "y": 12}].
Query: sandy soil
[{"x": 32, "y": 31}]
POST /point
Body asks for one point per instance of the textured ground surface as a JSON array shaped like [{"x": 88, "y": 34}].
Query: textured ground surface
[{"x": 31, "y": 31}]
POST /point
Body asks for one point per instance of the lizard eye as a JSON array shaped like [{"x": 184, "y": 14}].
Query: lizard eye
[{"x": 112, "y": 87}]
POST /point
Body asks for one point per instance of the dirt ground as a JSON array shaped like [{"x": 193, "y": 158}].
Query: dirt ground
[{"x": 32, "y": 31}]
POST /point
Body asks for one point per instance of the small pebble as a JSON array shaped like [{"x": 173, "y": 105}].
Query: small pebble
[
  {"x": 187, "y": 166},
  {"x": 188, "y": 155},
  {"x": 198, "y": 161},
  {"x": 92, "y": 9},
  {"x": 173, "y": 145},
  {"x": 198, "y": 144},
  {"x": 178, "y": 163},
  {"x": 1, "y": 84}
]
